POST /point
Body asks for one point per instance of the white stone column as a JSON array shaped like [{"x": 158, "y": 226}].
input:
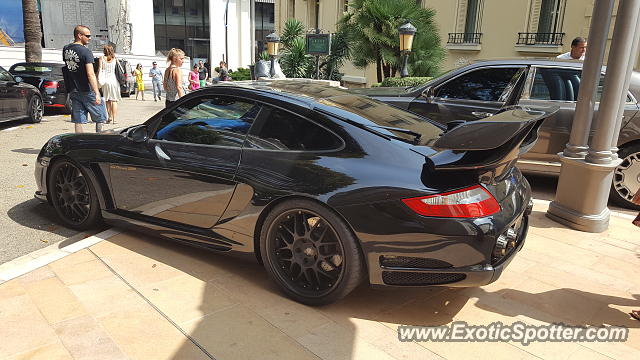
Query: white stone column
[
  {"x": 216, "y": 31},
  {"x": 143, "y": 40}
]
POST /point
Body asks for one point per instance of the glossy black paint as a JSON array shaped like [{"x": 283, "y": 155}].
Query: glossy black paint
[
  {"x": 217, "y": 197},
  {"x": 14, "y": 97},
  {"x": 52, "y": 96}
]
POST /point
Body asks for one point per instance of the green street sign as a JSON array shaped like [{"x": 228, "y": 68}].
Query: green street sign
[{"x": 318, "y": 44}]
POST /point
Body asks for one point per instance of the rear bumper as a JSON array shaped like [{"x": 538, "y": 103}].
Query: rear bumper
[{"x": 468, "y": 276}]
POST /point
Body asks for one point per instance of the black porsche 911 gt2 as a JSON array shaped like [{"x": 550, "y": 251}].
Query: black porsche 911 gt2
[{"x": 324, "y": 187}]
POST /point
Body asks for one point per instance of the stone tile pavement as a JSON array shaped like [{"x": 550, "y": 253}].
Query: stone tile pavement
[{"x": 133, "y": 297}]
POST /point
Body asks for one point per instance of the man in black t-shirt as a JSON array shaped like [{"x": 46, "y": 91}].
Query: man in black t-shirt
[{"x": 80, "y": 81}]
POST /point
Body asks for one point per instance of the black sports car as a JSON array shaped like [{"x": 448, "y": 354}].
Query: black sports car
[
  {"x": 324, "y": 187},
  {"x": 47, "y": 77},
  {"x": 19, "y": 100}
]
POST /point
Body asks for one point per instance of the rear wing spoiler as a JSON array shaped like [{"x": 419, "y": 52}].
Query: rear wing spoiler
[{"x": 492, "y": 144}]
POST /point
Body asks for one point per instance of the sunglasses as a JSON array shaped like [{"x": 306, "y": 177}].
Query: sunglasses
[{"x": 88, "y": 36}]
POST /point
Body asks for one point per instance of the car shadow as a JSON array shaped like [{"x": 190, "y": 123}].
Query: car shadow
[
  {"x": 30, "y": 151},
  {"x": 40, "y": 216},
  {"x": 247, "y": 284}
]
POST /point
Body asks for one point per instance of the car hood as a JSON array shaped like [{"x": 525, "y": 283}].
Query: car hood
[{"x": 382, "y": 91}]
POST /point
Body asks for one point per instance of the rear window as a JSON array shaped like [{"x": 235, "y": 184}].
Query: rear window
[
  {"x": 37, "y": 69},
  {"x": 377, "y": 114}
]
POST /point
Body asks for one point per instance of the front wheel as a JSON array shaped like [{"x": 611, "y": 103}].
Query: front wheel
[
  {"x": 73, "y": 196},
  {"x": 626, "y": 177},
  {"x": 310, "y": 252},
  {"x": 36, "y": 110}
]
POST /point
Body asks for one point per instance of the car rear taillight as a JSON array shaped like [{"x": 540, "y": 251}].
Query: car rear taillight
[
  {"x": 470, "y": 202},
  {"x": 50, "y": 84}
]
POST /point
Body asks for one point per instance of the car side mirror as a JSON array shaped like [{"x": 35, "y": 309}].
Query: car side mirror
[
  {"x": 428, "y": 93},
  {"x": 138, "y": 134}
]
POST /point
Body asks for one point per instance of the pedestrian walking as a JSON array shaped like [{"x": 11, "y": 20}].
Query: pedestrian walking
[
  {"x": 578, "y": 49},
  {"x": 156, "y": 81},
  {"x": 223, "y": 73},
  {"x": 173, "y": 76},
  {"x": 202, "y": 74},
  {"x": 109, "y": 82},
  {"x": 139, "y": 82},
  {"x": 194, "y": 78},
  {"x": 80, "y": 80}
]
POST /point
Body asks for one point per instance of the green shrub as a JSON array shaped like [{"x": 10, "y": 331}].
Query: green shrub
[
  {"x": 240, "y": 74},
  {"x": 407, "y": 81}
]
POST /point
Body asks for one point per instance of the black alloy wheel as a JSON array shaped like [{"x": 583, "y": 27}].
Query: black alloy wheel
[
  {"x": 310, "y": 253},
  {"x": 626, "y": 177},
  {"x": 36, "y": 109},
  {"x": 73, "y": 196}
]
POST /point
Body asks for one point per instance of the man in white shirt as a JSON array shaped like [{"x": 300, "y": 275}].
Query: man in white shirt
[{"x": 578, "y": 49}]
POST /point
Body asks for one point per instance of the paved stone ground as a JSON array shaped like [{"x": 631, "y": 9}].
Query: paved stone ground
[
  {"x": 133, "y": 297},
  {"x": 26, "y": 224}
]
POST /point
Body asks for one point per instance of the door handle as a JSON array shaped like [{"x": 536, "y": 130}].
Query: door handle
[
  {"x": 161, "y": 154},
  {"x": 481, "y": 114}
]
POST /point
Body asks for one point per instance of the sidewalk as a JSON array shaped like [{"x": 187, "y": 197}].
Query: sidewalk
[{"x": 132, "y": 297}]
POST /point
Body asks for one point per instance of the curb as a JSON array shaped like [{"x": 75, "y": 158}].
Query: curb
[
  {"x": 39, "y": 258},
  {"x": 613, "y": 213}
]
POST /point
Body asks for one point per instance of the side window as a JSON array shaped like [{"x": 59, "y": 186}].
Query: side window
[
  {"x": 222, "y": 121},
  {"x": 5, "y": 76},
  {"x": 283, "y": 130},
  {"x": 556, "y": 84},
  {"x": 484, "y": 85}
]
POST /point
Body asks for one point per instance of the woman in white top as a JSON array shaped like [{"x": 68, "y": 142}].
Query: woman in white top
[{"x": 110, "y": 85}]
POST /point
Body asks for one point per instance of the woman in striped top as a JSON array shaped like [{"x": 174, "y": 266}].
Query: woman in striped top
[{"x": 173, "y": 76}]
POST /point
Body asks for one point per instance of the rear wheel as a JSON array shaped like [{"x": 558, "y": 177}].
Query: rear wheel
[
  {"x": 626, "y": 177},
  {"x": 310, "y": 252},
  {"x": 73, "y": 196},
  {"x": 36, "y": 110}
]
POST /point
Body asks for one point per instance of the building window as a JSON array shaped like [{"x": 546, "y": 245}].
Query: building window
[
  {"x": 468, "y": 23},
  {"x": 264, "y": 23},
  {"x": 182, "y": 24},
  {"x": 545, "y": 23}
]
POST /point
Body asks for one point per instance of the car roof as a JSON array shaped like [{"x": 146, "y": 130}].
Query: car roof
[
  {"x": 530, "y": 61},
  {"x": 51, "y": 64}
]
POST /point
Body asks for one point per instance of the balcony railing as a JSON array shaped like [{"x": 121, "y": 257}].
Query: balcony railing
[
  {"x": 540, "y": 38},
  {"x": 464, "y": 38}
]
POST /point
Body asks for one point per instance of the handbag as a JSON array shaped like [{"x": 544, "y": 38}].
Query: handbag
[
  {"x": 102, "y": 74},
  {"x": 120, "y": 73}
]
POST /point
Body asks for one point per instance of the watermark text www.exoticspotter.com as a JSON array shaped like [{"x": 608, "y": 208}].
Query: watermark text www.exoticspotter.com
[{"x": 460, "y": 331}]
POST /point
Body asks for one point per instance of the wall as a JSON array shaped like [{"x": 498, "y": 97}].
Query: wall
[
  {"x": 140, "y": 15},
  {"x": 59, "y": 17}
]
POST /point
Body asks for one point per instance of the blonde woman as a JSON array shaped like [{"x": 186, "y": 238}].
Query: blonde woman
[
  {"x": 111, "y": 86},
  {"x": 173, "y": 76}
]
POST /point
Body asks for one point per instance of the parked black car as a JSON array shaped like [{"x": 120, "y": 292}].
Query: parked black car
[
  {"x": 483, "y": 88},
  {"x": 323, "y": 187},
  {"x": 47, "y": 77},
  {"x": 19, "y": 100}
]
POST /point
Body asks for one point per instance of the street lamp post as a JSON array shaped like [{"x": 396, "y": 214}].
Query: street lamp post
[
  {"x": 272, "y": 49},
  {"x": 406, "y": 31}
]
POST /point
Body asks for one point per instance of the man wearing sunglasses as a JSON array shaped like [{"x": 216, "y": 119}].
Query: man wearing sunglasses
[{"x": 80, "y": 81}]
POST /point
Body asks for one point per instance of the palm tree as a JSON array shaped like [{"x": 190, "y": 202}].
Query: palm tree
[
  {"x": 372, "y": 27},
  {"x": 32, "y": 31}
]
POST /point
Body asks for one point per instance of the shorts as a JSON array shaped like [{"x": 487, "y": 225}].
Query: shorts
[
  {"x": 203, "y": 83},
  {"x": 83, "y": 103}
]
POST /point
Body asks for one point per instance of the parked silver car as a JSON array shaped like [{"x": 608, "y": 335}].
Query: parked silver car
[{"x": 483, "y": 88}]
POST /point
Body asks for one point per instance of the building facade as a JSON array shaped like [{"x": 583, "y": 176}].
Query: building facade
[
  {"x": 215, "y": 30},
  {"x": 471, "y": 29}
]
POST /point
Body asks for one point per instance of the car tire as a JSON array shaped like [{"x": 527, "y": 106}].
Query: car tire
[
  {"x": 626, "y": 177},
  {"x": 73, "y": 196},
  {"x": 310, "y": 252},
  {"x": 36, "y": 110}
]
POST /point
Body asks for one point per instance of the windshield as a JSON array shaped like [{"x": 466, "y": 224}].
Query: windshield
[{"x": 384, "y": 118}]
